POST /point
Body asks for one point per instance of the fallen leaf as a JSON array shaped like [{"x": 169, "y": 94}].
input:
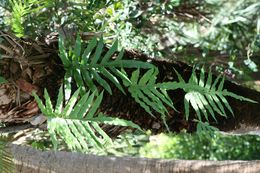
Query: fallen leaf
[{"x": 26, "y": 86}]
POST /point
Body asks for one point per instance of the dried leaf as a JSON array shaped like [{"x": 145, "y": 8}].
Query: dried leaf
[{"x": 26, "y": 86}]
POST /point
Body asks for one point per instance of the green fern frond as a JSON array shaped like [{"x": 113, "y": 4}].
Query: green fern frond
[
  {"x": 93, "y": 67},
  {"x": 22, "y": 8},
  {"x": 19, "y": 9},
  {"x": 207, "y": 96},
  {"x": 78, "y": 123},
  {"x": 77, "y": 134},
  {"x": 146, "y": 92}
]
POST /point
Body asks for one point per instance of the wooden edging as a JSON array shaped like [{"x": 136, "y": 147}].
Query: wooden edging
[{"x": 29, "y": 160}]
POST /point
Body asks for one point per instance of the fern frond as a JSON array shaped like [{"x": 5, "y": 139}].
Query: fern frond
[
  {"x": 207, "y": 96},
  {"x": 19, "y": 10},
  {"x": 146, "y": 92},
  {"x": 78, "y": 123},
  {"x": 92, "y": 65}
]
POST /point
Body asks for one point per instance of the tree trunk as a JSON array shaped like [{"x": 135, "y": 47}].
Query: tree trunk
[{"x": 29, "y": 160}]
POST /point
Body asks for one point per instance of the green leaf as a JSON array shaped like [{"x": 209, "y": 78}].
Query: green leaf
[
  {"x": 207, "y": 106},
  {"x": 98, "y": 52},
  {"x": 95, "y": 106},
  {"x": 146, "y": 77},
  {"x": 88, "y": 80},
  {"x": 94, "y": 139},
  {"x": 59, "y": 104},
  {"x": 193, "y": 78},
  {"x": 77, "y": 108},
  {"x": 135, "y": 76},
  {"x": 221, "y": 85},
  {"x": 86, "y": 106},
  {"x": 224, "y": 100},
  {"x": 142, "y": 104},
  {"x": 48, "y": 103},
  {"x": 112, "y": 78},
  {"x": 130, "y": 64},
  {"x": 120, "y": 55},
  {"x": 241, "y": 98},
  {"x": 110, "y": 52},
  {"x": 218, "y": 102},
  {"x": 213, "y": 105},
  {"x": 121, "y": 75},
  {"x": 209, "y": 81},
  {"x": 77, "y": 48},
  {"x": 187, "y": 108},
  {"x": 68, "y": 109},
  {"x": 40, "y": 104},
  {"x": 88, "y": 50},
  {"x": 101, "y": 81},
  {"x": 202, "y": 78},
  {"x": 191, "y": 97},
  {"x": 63, "y": 54},
  {"x": 213, "y": 87},
  {"x": 107, "y": 139},
  {"x": 152, "y": 104},
  {"x": 91, "y": 69},
  {"x": 164, "y": 97},
  {"x": 77, "y": 77},
  {"x": 181, "y": 80},
  {"x": 67, "y": 85}
]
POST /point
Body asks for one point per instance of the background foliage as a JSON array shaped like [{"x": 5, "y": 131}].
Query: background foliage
[
  {"x": 219, "y": 147},
  {"x": 221, "y": 34}
]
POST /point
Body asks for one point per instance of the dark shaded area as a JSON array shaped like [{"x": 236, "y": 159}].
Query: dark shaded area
[{"x": 124, "y": 106}]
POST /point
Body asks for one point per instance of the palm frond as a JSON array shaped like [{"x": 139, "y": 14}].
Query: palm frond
[
  {"x": 77, "y": 123},
  {"x": 91, "y": 66}
]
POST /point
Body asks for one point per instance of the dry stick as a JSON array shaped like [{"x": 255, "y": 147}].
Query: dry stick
[
  {"x": 11, "y": 40},
  {"x": 6, "y": 49}
]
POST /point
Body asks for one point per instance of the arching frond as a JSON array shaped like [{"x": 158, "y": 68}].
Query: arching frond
[
  {"x": 93, "y": 67},
  {"x": 207, "y": 96},
  {"x": 77, "y": 123}
]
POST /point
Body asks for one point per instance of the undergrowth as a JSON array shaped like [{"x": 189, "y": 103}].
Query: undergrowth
[{"x": 75, "y": 117}]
